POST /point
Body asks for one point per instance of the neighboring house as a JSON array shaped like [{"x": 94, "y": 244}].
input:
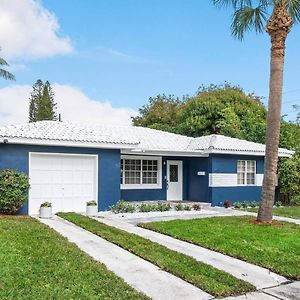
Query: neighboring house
[{"x": 69, "y": 164}]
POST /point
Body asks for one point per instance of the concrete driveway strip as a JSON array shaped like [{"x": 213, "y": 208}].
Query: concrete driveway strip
[
  {"x": 259, "y": 277},
  {"x": 137, "y": 272}
]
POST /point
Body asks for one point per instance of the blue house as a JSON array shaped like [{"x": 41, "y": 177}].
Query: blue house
[{"x": 69, "y": 164}]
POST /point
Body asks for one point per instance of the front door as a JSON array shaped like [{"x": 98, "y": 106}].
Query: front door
[{"x": 174, "y": 180}]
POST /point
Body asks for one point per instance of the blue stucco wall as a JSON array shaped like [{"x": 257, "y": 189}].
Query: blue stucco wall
[
  {"x": 194, "y": 186},
  {"x": 228, "y": 164},
  {"x": 17, "y": 156},
  {"x": 198, "y": 184}
]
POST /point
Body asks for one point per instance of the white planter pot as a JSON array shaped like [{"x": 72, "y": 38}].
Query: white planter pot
[
  {"x": 91, "y": 210},
  {"x": 45, "y": 212}
]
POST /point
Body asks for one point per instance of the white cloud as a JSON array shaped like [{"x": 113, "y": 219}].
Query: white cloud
[
  {"x": 28, "y": 30},
  {"x": 73, "y": 105}
]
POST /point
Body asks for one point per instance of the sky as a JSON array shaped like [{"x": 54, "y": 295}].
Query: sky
[{"x": 105, "y": 58}]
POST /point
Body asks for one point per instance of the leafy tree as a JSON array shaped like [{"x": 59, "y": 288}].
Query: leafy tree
[
  {"x": 160, "y": 113},
  {"x": 42, "y": 105},
  {"x": 249, "y": 14},
  {"x": 223, "y": 109},
  {"x": 4, "y": 73}
]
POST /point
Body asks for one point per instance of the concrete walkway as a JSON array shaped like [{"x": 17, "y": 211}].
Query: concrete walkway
[
  {"x": 259, "y": 277},
  {"x": 289, "y": 291},
  {"x": 206, "y": 212},
  {"x": 140, "y": 274}
]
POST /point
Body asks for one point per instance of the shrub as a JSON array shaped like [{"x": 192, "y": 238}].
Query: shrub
[
  {"x": 144, "y": 207},
  {"x": 163, "y": 206},
  {"x": 91, "y": 203},
  {"x": 196, "y": 207},
  {"x": 13, "y": 191},
  {"x": 46, "y": 204},
  {"x": 295, "y": 200},
  {"x": 278, "y": 203},
  {"x": 253, "y": 204},
  {"x": 227, "y": 204},
  {"x": 245, "y": 204},
  {"x": 179, "y": 206},
  {"x": 122, "y": 207},
  {"x": 187, "y": 207},
  {"x": 237, "y": 205}
]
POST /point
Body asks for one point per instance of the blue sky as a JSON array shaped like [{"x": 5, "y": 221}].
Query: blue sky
[{"x": 124, "y": 51}]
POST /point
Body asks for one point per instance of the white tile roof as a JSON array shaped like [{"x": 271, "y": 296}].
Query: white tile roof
[{"x": 141, "y": 138}]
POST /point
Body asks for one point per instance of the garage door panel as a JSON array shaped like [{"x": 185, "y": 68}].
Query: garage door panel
[{"x": 67, "y": 181}]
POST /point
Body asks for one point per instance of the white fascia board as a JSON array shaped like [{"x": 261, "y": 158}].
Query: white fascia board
[
  {"x": 165, "y": 153},
  {"x": 244, "y": 152},
  {"x": 41, "y": 142}
]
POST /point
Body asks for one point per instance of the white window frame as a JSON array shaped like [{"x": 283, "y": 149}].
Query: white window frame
[
  {"x": 143, "y": 186},
  {"x": 245, "y": 173}
]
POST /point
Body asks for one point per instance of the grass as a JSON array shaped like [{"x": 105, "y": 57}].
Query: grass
[
  {"x": 285, "y": 211},
  {"x": 38, "y": 263},
  {"x": 207, "y": 278},
  {"x": 274, "y": 247}
]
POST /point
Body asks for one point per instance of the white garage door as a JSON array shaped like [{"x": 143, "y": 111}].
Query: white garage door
[{"x": 67, "y": 181}]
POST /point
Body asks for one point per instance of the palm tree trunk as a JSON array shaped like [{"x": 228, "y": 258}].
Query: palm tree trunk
[{"x": 278, "y": 28}]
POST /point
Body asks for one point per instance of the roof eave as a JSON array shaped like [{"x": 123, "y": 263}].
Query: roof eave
[
  {"x": 288, "y": 154},
  {"x": 43, "y": 142},
  {"x": 162, "y": 152}
]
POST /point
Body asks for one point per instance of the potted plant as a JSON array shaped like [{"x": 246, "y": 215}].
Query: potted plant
[
  {"x": 91, "y": 208},
  {"x": 46, "y": 210}
]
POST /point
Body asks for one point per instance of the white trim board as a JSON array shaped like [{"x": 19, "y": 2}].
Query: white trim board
[
  {"x": 144, "y": 186},
  {"x": 230, "y": 180}
]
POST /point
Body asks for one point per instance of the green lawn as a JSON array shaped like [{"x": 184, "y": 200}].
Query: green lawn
[
  {"x": 286, "y": 211},
  {"x": 274, "y": 247},
  {"x": 38, "y": 263},
  {"x": 209, "y": 279}
]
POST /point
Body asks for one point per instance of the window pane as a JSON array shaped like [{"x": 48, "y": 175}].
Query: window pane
[
  {"x": 173, "y": 169},
  {"x": 251, "y": 166},
  {"x": 250, "y": 178},
  {"x": 149, "y": 173},
  {"x": 241, "y": 164},
  {"x": 241, "y": 178}
]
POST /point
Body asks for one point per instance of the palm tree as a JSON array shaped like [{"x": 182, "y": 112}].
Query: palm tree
[
  {"x": 254, "y": 15},
  {"x": 4, "y": 73}
]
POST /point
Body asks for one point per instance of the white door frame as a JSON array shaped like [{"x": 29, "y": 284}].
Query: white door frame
[
  {"x": 95, "y": 156},
  {"x": 179, "y": 195}
]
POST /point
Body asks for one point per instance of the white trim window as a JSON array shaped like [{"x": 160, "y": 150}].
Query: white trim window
[
  {"x": 140, "y": 172},
  {"x": 246, "y": 172}
]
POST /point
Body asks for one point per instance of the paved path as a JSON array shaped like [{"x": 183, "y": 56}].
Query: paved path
[
  {"x": 206, "y": 212},
  {"x": 140, "y": 274},
  {"x": 289, "y": 291},
  {"x": 259, "y": 277}
]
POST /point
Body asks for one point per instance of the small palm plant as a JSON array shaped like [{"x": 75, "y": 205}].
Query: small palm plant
[
  {"x": 4, "y": 73},
  {"x": 276, "y": 17}
]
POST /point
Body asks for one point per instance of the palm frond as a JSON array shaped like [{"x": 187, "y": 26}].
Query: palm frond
[
  {"x": 248, "y": 18},
  {"x": 236, "y": 4},
  {"x": 3, "y": 62},
  {"x": 7, "y": 75},
  {"x": 293, "y": 7}
]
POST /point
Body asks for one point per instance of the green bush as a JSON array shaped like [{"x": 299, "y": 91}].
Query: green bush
[
  {"x": 145, "y": 207},
  {"x": 163, "y": 206},
  {"x": 179, "y": 206},
  {"x": 237, "y": 205},
  {"x": 295, "y": 200},
  {"x": 187, "y": 207},
  {"x": 14, "y": 187},
  {"x": 122, "y": 207}
]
